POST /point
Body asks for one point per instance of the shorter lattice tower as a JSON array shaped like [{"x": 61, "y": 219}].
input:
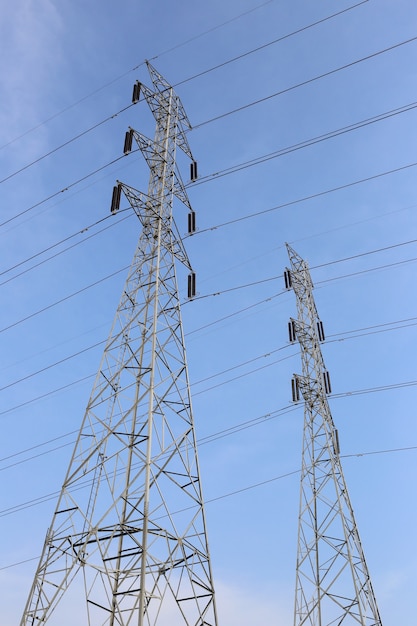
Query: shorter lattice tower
[
  {"x": 333, "y": 586},
  {"x": 128, "y": 535}
]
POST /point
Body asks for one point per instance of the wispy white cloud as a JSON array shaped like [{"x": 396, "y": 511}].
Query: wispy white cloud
[
  {"x": 392, "y": 581},
  {"x": 236, "y": 605},
  {"x": 239, "y": 606},
  {"x": 30, "y": 34}
]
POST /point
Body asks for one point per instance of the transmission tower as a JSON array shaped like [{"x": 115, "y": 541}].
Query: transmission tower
[
  {"x": 129, "y": 527},
  {"x": 333, "y": 586}
]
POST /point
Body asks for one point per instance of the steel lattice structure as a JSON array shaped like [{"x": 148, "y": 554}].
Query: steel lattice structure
[
  {"x": 129, "y": 522},
  {"x": 333, "y": 586}
]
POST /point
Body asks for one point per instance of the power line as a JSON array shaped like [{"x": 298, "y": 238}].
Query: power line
[
  {"x": 313, "y": 196},
  {"x": 47, "y": 497},
  {"x": 270, "y": 43},
  {"x": 345, "y": 394},
  {"x": 55, "y": 245},
  {"x": 237, "y": 168},
  {"x": 372, "y": 269},
  {"x": 261, "y": 484},
  {"x": 100, "y": 343},
  {"x": 64, "y": 299},
  {"x": 120, "y": 76},
  {"x": 39, "y": 445},
  {"x": 240, "y": 376},
  {"x": 169, "y": 50},
  {"x": 70, "y": 106},
  {"x": 63, "y": 190},
  {"x": 66, "y": 143},
  {"x": 37, "y": 456},
  {"x": 54, "y": 256},
  {"x": 220, "y": 117},
  {"x": 201, "y": 231},
  {"x": 367, "y": 253},
  {"x": 375, "y": 328},
  {"x": 238, "y": 287},
  {"x": 331, "y": 339},
  {"x": 211, "y": 30},
  {"x": 334, "y": 338},
  {"x": 48, "y": 367},
  {"x": 305, "y": 82},
  {"x": 286, "y": 475},
  {"x": 225, "y": 317},
  {"x": 50, "y": 496},
  {"x": 113, "y": 116},
  {"x": 361, "y": 392},
  {"x": 303, "y": 144},
  {"x": 209, "y": 228},
  {"x": 196, "y": 330},
  {"x": 204, "y": 440},
  {"x": 262, "y": 418},
  {"x": 47, "y": 394},
  {"x": 279, "y": 276},
  {"x": 235, "y": 288}
]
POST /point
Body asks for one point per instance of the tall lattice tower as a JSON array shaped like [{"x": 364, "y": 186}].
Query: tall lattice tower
[
  {"x": 333, "y": 586},
  {"x": 129, "y": 528}
]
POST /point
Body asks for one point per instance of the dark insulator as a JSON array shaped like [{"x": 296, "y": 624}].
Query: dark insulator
[
  {"x": 291, "y": 331},
  {"x": 191, "y": 223},
  {"x": 336, "y": 446},
  {"x": 193, "y": 171},
  {"x": 295, "y": 390},
  {"x": 115, "y": 200},
  {"x": 320, "y": 330},
  {"x": 191, "y": 285},
  {"x": 128, "y": 142},
  {"x": 326, "y": 381},
  {"x": 136, "y": 92},
  {"x": 287, "y": 279}
]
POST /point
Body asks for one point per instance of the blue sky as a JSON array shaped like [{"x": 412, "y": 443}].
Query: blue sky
[{"x": 68, "y": 66}]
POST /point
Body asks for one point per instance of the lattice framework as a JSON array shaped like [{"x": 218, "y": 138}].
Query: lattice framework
[
  {"x": 333, "y": 585},
  {"x": 130, "y": 517}
]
